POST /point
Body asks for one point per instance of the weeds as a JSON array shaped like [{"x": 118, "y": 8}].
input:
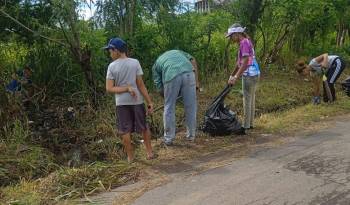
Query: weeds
[
  {"x": 91, "y": 138},
  {"x": 68, "y": 183},
  {"x": 297, "y": 118},
  {"x": 88, "y": 179},
  {"x": 21, "y": 160}
]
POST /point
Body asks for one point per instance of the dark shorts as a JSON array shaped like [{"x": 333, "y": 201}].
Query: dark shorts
[{"x": 131, "y": 118}]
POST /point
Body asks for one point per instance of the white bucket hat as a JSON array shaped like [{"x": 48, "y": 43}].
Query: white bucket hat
[{"x": 233, "y": 30}]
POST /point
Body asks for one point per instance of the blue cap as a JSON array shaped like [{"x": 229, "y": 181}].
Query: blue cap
[{"x": 116, "y": 43}]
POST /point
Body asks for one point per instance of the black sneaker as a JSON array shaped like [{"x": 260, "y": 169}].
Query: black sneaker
[{"x": 241, "y": 131}]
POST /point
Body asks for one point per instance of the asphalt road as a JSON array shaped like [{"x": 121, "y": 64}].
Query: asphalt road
[{"x": 312, "y": 170}]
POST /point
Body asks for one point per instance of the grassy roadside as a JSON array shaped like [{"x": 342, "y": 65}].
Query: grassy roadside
[
  {"x": 283, "y": 107},
  {"x": 68, "y": 183},
  {"x": 298, "y": 118},
  {"x": 284, "y": 121}
]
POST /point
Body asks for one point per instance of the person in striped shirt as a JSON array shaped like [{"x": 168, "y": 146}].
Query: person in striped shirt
[
  {"x": 324, "y": 68},
  {"x": 175, "y": 74}
]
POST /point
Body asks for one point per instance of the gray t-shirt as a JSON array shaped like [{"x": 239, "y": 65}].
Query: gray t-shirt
[
  {"x": 124, "y": 72},
  {"x": 331, "y": 59},
  {"x": 316, "y": 68}
]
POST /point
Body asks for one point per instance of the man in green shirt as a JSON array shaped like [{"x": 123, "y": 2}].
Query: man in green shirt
[{"x": 175, "y": 73}]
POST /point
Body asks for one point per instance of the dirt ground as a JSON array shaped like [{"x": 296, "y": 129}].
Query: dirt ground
[{"x": 189, "y": 159}]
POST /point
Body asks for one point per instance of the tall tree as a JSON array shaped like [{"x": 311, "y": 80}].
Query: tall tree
[
  {"x": 342, "y": 8},
  {"x": 64, "y": 21},
  {"x": 67, "y": 15},
  {"x": 248, "y": 12}
]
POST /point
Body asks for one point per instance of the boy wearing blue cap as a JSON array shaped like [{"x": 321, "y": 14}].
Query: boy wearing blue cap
[{"x": 124, "y": 79}]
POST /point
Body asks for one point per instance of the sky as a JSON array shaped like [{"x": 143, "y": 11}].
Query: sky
[{"x": 88, "y": 13}]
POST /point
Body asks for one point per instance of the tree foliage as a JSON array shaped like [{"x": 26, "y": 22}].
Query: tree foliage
[{"x": 65, "y": 49}]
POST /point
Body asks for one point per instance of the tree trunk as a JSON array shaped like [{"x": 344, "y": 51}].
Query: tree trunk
[
  {"x": 339, "y": 34},
  {"x": 262, "y": 56},
  {"x": 342, "y": 38},
  {"x": 126, "y": 14},
  {"x": 131, "y": 15},
  {"x": 83, "y": 58},
  {"x": 257, "y": 6},
  {"x": 85, "y": 64},
  {"x": 342, "y": 31},
  {"x": 206, "y": 53},
  {"x": 278, "y": 46},
  {"x": 122, "y": 18}
]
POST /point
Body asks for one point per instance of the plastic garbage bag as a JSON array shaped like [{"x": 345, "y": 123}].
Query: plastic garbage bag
[
  {"x": 346, "y": 86},
  {"x": 219, "y": 119}
]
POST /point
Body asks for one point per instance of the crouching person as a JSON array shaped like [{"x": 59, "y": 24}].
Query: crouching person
[
  {"x": 326, "y": 69},
  {"x": 124, "y": 79}
]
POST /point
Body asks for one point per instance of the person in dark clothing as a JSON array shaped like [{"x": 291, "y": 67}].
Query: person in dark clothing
[{"x": 14, "y": 85}]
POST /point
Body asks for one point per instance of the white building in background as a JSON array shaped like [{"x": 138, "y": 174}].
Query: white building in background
[
  {"x": 205, "y": 5},
  {"x": 202, "y": 6}
]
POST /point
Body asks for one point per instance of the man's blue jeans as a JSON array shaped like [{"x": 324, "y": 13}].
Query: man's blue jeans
[{"x": 184, "y": 85}]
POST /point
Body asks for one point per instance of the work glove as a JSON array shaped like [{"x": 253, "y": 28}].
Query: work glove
[{"x": 316, "y": 100}]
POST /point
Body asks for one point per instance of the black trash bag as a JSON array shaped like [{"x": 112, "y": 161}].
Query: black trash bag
[
  {"x": 219, "y": 119},
  {"x": 346, "y": 86}
]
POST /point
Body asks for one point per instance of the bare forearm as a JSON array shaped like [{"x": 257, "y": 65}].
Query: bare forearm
[
  {"x": 143, "y": 90},
  {"x": 325, "y": 60},
  {"x": 145, "y": 94},
  {"x": 235, "y": 70},
  {"x": 322, "y": 60},
  {"x": 238, "y": 71},
  {"x": 117, "y": 89},
  {"x": 242, "y": 68}
]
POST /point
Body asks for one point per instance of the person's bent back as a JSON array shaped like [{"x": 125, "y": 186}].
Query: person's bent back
[{"x": 174, "y": 74}]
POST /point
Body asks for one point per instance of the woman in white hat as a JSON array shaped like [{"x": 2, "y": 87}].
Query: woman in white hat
[{"x": 246, "y": 67}]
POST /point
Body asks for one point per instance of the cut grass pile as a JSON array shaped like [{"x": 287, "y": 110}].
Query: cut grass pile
[{"x": 68, "y": 183}]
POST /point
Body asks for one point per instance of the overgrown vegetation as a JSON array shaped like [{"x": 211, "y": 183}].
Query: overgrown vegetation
[
  {"x": 62, "y": 144},
  {"x": 70, "y": 183}
]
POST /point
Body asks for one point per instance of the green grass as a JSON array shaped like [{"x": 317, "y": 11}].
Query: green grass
[
  {"x": 70, "y": 183},
  {"x": 298, "y": 118},
  {"x": 20, "y": 160},
  {"x": 88, "y": 179},
  {"x": 283, "y": 106},
  {"x": 277, "y": 91}
]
